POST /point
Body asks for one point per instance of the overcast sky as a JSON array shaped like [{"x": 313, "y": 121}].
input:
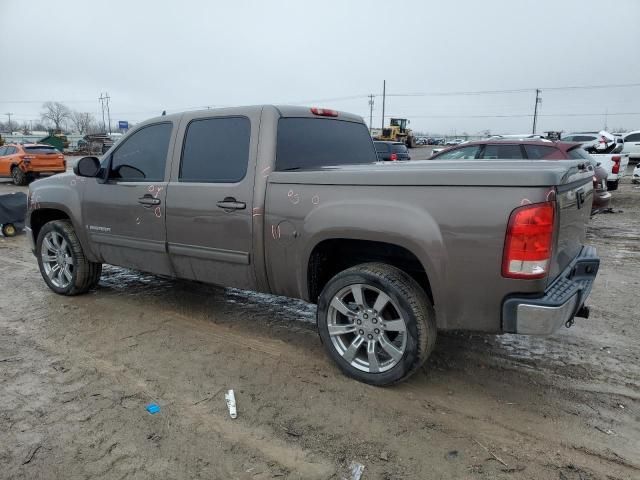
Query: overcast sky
[{"x": 177, "y": 55}]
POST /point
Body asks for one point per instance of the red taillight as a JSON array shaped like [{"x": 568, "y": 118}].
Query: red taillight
[
  {"x": 394, "y": 157},
  {"x": 616, "y": 164},
  {"x": 27, "y": 158},
  {"x": 528, "y": 242},
  {"x": 324, "y": 112}
]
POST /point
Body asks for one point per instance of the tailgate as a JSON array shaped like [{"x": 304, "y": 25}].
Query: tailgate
[
  {"x": 573, "y": 200},
  {"x": 43, "y": 161}
]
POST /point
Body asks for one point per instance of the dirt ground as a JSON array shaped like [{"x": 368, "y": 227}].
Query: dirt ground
[{"x": 77, "y": 373}]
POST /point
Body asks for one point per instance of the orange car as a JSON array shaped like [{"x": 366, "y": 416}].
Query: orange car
[{"x": 25, "y": 162}]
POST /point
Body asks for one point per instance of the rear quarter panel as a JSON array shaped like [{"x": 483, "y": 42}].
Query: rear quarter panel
[{"x": 456, "y": 232}]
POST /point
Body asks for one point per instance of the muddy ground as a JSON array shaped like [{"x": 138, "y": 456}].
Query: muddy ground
[{"x": 77, "y": 373}]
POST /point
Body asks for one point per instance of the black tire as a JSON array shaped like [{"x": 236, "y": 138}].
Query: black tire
[
  {"x": 85, "y": 274},
  {"x": 9, "y": 230},
  {"x": 612, "y": 185},
  {"x": 413, "y": 305},
  {"x": 19, "y": 177}
]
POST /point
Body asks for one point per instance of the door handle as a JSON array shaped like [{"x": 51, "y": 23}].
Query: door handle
[
  {"x": 148, "y": 200},
  {"x": 229, "y": 204}
]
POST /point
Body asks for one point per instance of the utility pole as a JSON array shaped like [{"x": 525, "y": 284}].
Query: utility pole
[
  {"x": 107, "y": 97},
  {"x": 101, "y": 98},
  {"x": 371, "y": 112},
  {"x": 535, "y": 109},
  {"x": 384, "y": 99},
  {"x": 8, "y": 114}
]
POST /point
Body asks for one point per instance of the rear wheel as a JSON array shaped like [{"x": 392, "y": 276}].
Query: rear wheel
[
  {"x": 18, "y": 176},
  {"x": 63, "y": 265},
  {"x": 612, "y": 185},
  {"x": 376, "y": 323}
]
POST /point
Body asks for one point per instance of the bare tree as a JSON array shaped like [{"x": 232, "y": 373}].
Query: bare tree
[
  {"x": 82, "y": 121},
  {"x": 56, "y": 113}
]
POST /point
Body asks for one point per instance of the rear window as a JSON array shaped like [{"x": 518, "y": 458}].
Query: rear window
[
  {"x": 399, "y": 148},
  {"x": 502, "y": 152},
  {"x": 314, "y": 142},
  {"x": 381, "y": 147},
  {"x": 583, "y": 138},
  {"x": 542, "y": 152},
  {"x": 40, "y": 149},
  {"x": 578, "y": 153}
]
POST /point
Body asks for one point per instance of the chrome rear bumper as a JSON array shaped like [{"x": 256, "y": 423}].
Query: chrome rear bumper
[{"x": 561, "y": 302}]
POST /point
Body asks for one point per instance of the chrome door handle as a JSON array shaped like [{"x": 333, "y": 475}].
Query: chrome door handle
[
  {"x": 229, "y": 204},
  {"x": 148, "y": 201}
]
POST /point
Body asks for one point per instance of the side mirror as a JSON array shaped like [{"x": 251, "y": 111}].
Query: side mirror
[{"x": 87, "y": 167}]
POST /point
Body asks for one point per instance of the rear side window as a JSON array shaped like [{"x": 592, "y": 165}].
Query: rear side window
[
  {"x": 501, "y": 152},
  {"x": 542, "y": 152},
  {"x": 216, "y": 150},
  {"x": 464, "y": 153},
  {"x": 3, "y": 151},
  {"x": 40, "y": 149},
  {"x": 634, "y": 137},
  {"x": 316, "y": 142},
  {"x": 143, "y": 155},
  {"x": 397, "y": 148},
  {"x": 10, "y": 150}
]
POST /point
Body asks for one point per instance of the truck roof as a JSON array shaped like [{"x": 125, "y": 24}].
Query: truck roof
[{"x": 283, "y": 110}]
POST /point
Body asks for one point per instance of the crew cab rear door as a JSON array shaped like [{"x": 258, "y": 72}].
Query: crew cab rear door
[
  {"x": 125, "y": 215},
  {"x": 210, "y": 197}
]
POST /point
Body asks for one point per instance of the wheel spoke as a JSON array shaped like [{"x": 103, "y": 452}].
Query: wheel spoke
[
  {"x": 374, "y": 365},
  {"x": 395, "y": 325},
  {"x": 381, "y": 302},
  {"x": 63, "y": 245},
  {"x": 67, "y": 273},
  {"x": 341, "y": 307},
  {"x": 48, "y": 258},
  {"x": 341, "y": 329},
  {"x": 356, "y": 290},
  {"x": 60, "y": 277},
  {"x": 48, "y": 244},
  {"x": 55, "y": 239},
  {"x": 351, "y": 352},
  {"x": 391, "y": 349}
]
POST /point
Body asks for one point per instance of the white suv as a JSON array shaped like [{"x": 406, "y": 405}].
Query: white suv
[{"x": 632, "y": 144}]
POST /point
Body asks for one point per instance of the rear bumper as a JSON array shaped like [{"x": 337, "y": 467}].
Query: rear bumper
[{"x": 561, "y": 302}]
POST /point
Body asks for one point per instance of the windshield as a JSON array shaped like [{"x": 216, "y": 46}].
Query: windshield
[
  {"x": 315, "y": 142},
  {"x": 41, "y": 149}
]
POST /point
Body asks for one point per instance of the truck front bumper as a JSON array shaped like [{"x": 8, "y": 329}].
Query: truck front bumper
[{"x": 562, "y": 300}]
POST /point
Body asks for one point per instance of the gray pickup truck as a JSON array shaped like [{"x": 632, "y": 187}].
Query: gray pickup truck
[{"x": 292, "y": 201}]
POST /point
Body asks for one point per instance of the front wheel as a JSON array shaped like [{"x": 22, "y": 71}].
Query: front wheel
[
  {"x": 9, "y": 230},
  {"x": 376, "y": 323},
  {"x": 63, "y": 265}
]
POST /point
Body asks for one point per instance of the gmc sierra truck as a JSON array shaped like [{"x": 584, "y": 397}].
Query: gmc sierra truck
[{"x": 293, "y": 201}]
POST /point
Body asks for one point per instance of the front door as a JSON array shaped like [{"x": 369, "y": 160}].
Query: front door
[
  {"x": 209, "y": 199},
  {"x": 125, "y": 215}
]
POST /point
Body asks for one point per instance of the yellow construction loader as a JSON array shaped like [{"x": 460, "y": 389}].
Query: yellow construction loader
[{"x": 397, "y": 131}]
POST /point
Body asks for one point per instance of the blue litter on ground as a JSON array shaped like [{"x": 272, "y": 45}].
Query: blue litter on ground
[{"x": 153, "y": 408}]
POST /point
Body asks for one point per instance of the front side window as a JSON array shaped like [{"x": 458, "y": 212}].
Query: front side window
[
  {"x": 216, "y": 150},
  {"x": 500, "y": 152},
  {"x": 318, "y": 142},
  {"x": 464, "y": 153},
  {"x": 142, "y": 156}
]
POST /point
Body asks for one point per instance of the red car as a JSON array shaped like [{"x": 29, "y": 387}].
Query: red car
[{"x": 538, "y": 149}]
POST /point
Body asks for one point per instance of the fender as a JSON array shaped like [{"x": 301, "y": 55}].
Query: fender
[
  {"x": 62, "y": 192},
  {"x": 377, "y": 220}
]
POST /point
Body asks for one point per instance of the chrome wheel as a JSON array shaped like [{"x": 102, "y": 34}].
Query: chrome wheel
[
  {"x": 367, "y": 328},
  {"x": 57, "y": 260}
]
